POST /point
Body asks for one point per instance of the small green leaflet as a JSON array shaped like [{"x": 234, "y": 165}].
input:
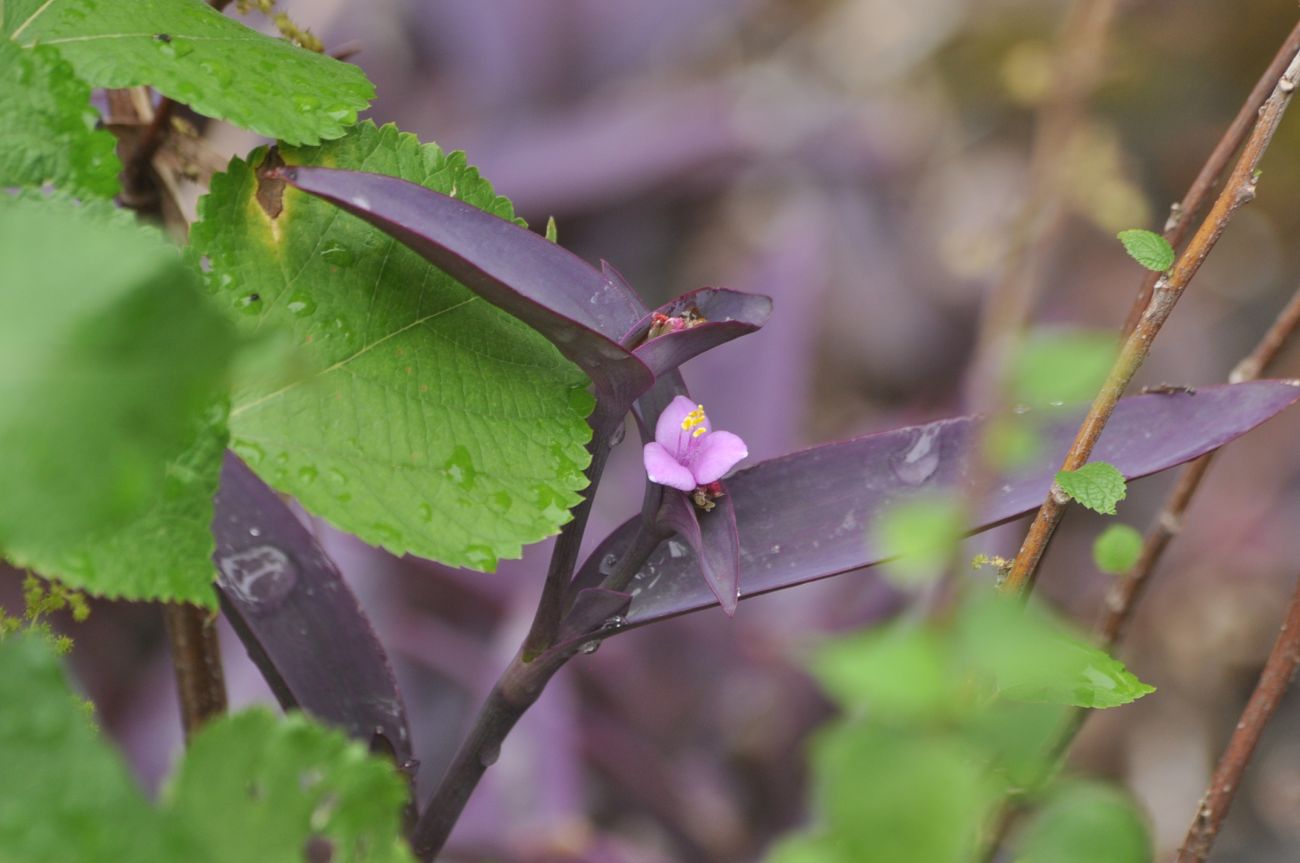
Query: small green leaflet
[
  {"x": 1097, "y": 485},
  {"x": 919, "y": 537},
  {"x": 47, "y": 126},
  {"x": 187, "y": 50},
  {"x": 1148, "y": 248},
  {"x": 252, "y": 786},
  {"x": 1117, "y": 549},
  {"x": 431, "y": 423},
  {"x": 112, "y": 415}
]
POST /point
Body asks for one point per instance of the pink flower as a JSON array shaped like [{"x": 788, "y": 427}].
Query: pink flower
[{"x": 685, "y": 454}]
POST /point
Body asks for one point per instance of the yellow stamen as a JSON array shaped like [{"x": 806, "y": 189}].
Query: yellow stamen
[
  {"x": 699, "y": 431},
  {"x": 693, "y": 419}
]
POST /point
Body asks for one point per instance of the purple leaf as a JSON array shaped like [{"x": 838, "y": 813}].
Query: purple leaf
[
  {"x": 713, "y": 540},
  {"x": 581, "y": 310},
  {"x": 726, "y": 315},
  {"x": 808, "y": 515},
  {"x": 299, "y": 621}
]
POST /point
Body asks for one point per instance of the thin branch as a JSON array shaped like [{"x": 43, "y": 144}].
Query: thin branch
[
  {"x": 1126, "y": 592},
  {"x": 1279, "y": 668},
  {"x": 196, "y": 656},
  {"x": 1184, "y": 213},
  {"x": 1239, "y": 189},
  {"x": 138, "y": 190}
]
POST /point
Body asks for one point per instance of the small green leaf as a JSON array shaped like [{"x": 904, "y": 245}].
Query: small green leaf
[
  {"x": 1117, "y": 549},
  {"x": 899, "y": 671},
  {"x": 431, "y": 423},
  {"x": 1031, "y": 655},
  {"x": 251, "y": 787},
  {"x": 1086, "y": 822},
  {"x": 919, "y": 536},
  {"x": 108, "y": 430},
  {"x": 1056, "y": 367},
  {"x": 280, "y": 783},
  {"x": 47, "y": 126},
  {"x": 190, "y": 52},
  {"x": 1148, "y": 248},
  {"x": 1097, "y": 485},
  {"x": 552, "y": 231}
]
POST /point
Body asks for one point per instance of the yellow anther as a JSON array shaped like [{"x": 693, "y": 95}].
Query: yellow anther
[
  {"x": 693, "y": 419},
  {"x": 699, "y": 431}
]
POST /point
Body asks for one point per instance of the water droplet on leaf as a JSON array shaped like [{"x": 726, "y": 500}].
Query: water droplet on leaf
[
  {"x": 459, "y": 468},
  {"x": 301, "y": 304},
  {"x": 337, "y": 255},
  {"x": 260, "y": 577},
  {"x": 251, "y": 453}
]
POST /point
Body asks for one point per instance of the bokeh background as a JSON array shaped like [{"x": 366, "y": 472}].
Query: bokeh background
[{"x": 864, "y": 162}]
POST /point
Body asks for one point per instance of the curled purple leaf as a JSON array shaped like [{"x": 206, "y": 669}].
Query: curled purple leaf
[
  {"x": 713, "y": 539},
  {"x": 694, "y": 323},
  {"x": 807, "y": 515}
]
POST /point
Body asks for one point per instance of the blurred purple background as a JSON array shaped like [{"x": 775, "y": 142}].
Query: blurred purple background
[{"x": 859, "y": 161}]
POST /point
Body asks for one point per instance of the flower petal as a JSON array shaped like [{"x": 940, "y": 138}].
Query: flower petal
[
  {"x": 662, "y": 468},
  {"x": 715, "y": 454},
  {"x": 668, "y": 428}
]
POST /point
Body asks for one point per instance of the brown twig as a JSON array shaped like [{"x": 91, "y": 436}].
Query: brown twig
[
  {"x": 1126, "y": 591},
  {"x": 1279, "y": 668},
  {"x": 138, "y": 190},
  {"x": 1184, "y": 213},
  {"x": 1239, "y": 189},
  {"x": 196, "y": 656}
]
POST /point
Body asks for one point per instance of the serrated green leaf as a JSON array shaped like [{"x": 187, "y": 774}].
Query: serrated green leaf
[
  {"x": 251, "y": 786},
  {"x": 918, "y": 538},
  {"x": 1055, "y": 366},
  {"x": 1031, "y": 655},
  {"x": 1086, "y": 822},
  {"x": 1097, "y": 485},
  {"x": 435, "y": 424},
  {"x": 109, "y": 445},
  {"x": 187, "y": 50},
  {"x": 47, "y": 126},
  {"x": 1117, "y": 549},
  {"x": 66, "y": 796},
  {"x": 256, "y": 787},
  {"x": 1148, "y": 248}
]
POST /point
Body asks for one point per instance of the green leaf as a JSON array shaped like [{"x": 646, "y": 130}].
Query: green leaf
[
  {"x": 187, "y": 50},
  {"x": 896, "y": 672},
  {"x": 1085, "y": 822},
  {"x": 806, "y": 849},
  {"x": 47, "y": 126},
  {"x": 251, "y": 786},
  {"x": 1117, "y": 549},
  {"x": 434, "y": 423},
  {"x": 1097, "y": 485},
  {"x": 1148, "y": 248},
  {"x": 1061, "y": 366},
  {"x": 257, "y": 787},
  {"x": 66, "y": 796},
  {"x": 1031, "y": 655},
  {"x": 109, "y": 439},
  {"x": 919, "y": 536},
  {"x": 896, "y": 795}
]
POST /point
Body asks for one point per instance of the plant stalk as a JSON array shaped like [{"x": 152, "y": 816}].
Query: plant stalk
[
  {"x": 196, "y": 657},
  {"x": 1239, "y": 189}
]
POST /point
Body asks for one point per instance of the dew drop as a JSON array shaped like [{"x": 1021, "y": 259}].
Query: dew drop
[
  {"x": 589, "y": 647},
  {"x": 250, "y": 304},
  {"x": 459, "y": 468},
  {"x": 308, "y": 474},
  {"x": 251, "y": 453},
  {"x": 500, "y": 502},
  {"x": 481, "y": 557},
  {"x": 260, "y": 577},
  {"x": 488, "y": 755},
  {"x": 426, "y": 512},
  {"x": 219, "y": 71},
  {"x": 921, "y": 458},
  {"x": 617, "y": 437},
  {"x": 607, "y": 563},
  {"x": 387, "y": 534},
  {"x": 301, "y": 304},
  {"x": 254, "y": 531},
  {"x": 305, "y": 103}
]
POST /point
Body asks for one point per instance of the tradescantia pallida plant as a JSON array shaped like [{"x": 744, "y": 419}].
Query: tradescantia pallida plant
[{"x": 454, "y": 387}]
